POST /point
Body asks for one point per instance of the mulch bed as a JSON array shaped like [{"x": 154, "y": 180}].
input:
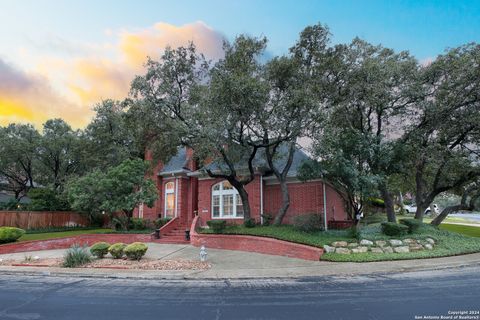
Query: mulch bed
[{"x": 109, "y": 263}]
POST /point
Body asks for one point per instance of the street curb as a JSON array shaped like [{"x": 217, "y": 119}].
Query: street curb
[{"x": 192, "y": 277}]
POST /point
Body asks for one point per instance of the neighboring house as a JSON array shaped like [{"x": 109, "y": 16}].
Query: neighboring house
[{"x": 185, "y": 190}]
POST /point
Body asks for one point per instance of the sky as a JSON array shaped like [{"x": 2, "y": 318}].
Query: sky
[{"x": 60, "y": 58}]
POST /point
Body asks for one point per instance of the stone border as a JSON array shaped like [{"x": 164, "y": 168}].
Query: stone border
[
  {"x": 64, "y": 243},
  {"x": 253, "y": 244}
]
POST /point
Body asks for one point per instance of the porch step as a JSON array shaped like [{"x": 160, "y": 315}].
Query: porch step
[{"x": 176, "y": 235}]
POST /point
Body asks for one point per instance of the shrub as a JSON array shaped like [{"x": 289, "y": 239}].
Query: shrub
[
  {"x": 267, "y": 219},
  {"x": 308, "y": 222},
  {"x": 47, "y": 199},
  {"x": 76, "y": 256},
  {"x": 394, "y": 229},
  {"x": 374, "y": 218},
  {"x": 354, "y": 232},
  {"x": 161, "y": 222},
  {"x": 412, "y": 224},
  {"x": 120, "y": 223},
  {"x": 376, "y": 202},
  {"x": 116, "y": 250},
  {"x": 138, "y": 224},
  {"x": 10, "y": 234},
  {"x": 217, "y": 225},
  {"x": 135, "y": 251},
  {"x": 249, "y": 223},
  {"x": 100, "y": 249}
]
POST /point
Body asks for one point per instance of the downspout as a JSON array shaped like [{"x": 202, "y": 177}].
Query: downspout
[
  {"x": 176, "y": 197},
  {"x": 261, "y": 199},
  {"x": 324, "y": 206}
]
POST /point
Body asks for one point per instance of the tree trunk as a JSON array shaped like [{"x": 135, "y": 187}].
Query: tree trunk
[
  {"x": 285, "y": 204},
  {"x": 388, "y": 200},
  {"x": 246, "y": 204},
  {"x": 420, "y": 210},
  {"x": 400, "y": 203},
  {"x": 445, "y": 212}
]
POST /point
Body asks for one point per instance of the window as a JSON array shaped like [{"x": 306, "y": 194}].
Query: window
[
  {"x": 226, "y": 202},
  {"x": 170, "y": 199}
]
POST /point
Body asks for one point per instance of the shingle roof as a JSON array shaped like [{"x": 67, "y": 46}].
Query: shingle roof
[{"x": 177, "y": 163}]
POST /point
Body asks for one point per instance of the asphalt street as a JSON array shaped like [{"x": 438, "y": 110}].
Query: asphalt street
[{"x": 381, "y": 296}]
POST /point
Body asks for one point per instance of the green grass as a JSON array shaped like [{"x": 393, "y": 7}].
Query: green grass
[
  {"x": 447, "y": 243},
  {"x": 62, "y": 234},
  {"x": 466, "y": 230}
]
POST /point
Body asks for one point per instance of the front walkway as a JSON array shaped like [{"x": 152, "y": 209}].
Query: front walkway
[{"x": 238, "y": 265}]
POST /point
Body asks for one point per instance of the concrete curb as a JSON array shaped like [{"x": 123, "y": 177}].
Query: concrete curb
[{"x": 196, "y": 275}]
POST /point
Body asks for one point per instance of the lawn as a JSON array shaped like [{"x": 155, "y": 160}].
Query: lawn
[
  {"x": 466, "y": 230},
  {"x": 60, "y": 234},
  {"x": 448, "y": 243}
]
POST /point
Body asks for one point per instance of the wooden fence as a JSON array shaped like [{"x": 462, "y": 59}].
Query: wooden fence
[{"x": 41, "y": 219}]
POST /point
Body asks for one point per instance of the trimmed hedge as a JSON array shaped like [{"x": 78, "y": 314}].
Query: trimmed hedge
[
  {"x": 10, "y": 234},
  {"x": 217, "y": 225},
  {"x": 135, "y": 251},
  {"x": 100, "y": 249},
  {"x": 309, "y": 222},
  {"x": 412, "y": 224},
  {"x": 394, "y": 229},
  {"x": 249, "y": 223},
  {"x": 116, "y": 250}
]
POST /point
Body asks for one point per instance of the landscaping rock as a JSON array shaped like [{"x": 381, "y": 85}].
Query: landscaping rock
[
  {"x": 428, "y": 246},
  {"x": 395, "y": 243},
  {"x": 430, "y": 240},
  {"x": 339, "y": 244},
  {"x": 376, "y": 250},
  {"x": 409, "y": 241},
  {"x": 366, "y": 242},
  {"x": 360, "y": 250},
  {"x": 401, "y": 249},
  {"x": 387, "y": 249},
  {"x": 328, "y": 249},
  {"x": 416, "y": 247},
  {"x": 342, "y": 250},
  {"x": 381, "y": 243},
  {"x": 353, "y": 245}
]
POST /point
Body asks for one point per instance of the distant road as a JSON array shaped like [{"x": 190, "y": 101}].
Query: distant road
[
  {"x": 470, "y": 216},
  {"x": 398, "y": 296}
]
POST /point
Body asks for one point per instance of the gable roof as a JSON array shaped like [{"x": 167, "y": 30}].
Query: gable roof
[
  {"x": 260, "y": 162},
  {"x": 177, "y": 164}
]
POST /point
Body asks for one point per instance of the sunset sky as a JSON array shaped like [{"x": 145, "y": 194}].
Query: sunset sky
[{"x": 59, "y": 58}]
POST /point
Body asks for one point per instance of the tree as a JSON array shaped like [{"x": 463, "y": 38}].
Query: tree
[
  {"x": 209, "y": 109},
  {"x": 120, "y": 189},
  {"x": 108, "y": 139},
  {"x": 18, "y": 147},
  {"x": 294, "y": 107},
  {"x": 59, "y": 154},
  {"x": 373, "y": 93},
  {"x": 444, "y": 136}
]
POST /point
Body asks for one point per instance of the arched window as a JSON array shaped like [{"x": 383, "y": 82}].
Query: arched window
[
  {"x": 169, "y": 199},
  {"x": 226, "y": 202}
]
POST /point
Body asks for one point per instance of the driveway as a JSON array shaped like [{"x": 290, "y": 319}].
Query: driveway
[{"x": 379, "y": 296}]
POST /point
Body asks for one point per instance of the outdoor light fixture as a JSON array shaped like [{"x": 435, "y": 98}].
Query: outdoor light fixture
[{"x": 203, "y": 254}]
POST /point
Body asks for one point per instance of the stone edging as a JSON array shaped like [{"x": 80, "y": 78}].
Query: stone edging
[
  {"x": 254, "y": 244},
  {"x": 64, "y": 243}
]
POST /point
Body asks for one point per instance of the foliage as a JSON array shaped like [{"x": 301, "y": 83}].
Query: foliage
[
  {"x": 138, "y": 224},
  {"x": 99, "y": 249},
  {"x": 46, "y": 199},
  {"x": 10, "y": 234},
  {"x": 116, "y": 250},
  {"x": 160, "y": 222},
  {"x": 373, "y": 218},
  {"x": 308, "y": 222},
  {"x": 376, "y": 202},
  {"x": 12, "y": 204},
  {"x": 249, "y": 223},
  {"x": 135, "y": 251},
  {"x": 59, "y": 229},
  {"x": 394, "y": 229},
  {"x": 412, "y": 224},
  {"x": 76, "y": 256},
  {"x": 121, "y": 188},
  {"x": 267, "y": 219},
  {"x": 217, "y": 225}
]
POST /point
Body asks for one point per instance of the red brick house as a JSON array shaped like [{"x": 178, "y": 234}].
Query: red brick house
[{"x": 185, "y": 190}]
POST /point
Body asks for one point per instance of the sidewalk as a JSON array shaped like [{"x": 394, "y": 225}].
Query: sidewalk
[{"x": 239, "y": 265}]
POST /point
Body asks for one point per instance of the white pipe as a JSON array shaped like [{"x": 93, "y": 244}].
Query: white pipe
[
  {"x": 325, "y": 206},
  {"x": 261, "y": 199}
]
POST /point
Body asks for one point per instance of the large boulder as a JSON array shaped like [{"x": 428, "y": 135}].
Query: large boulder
[
  {"x": 342, "y": 250},
  {"x": 340, "y": 244},
  {"x": 395, "y": 243},
  {"x": 376, "y": 250},
  {"x": 387, "y": 249},
  {"x": 401, "y": 249},
  {"x": 328, "y": 249},
  {"x": 381, "y": 243},
  {"x": 360, "y": 250},
  {"x": 366, "y": 242}
]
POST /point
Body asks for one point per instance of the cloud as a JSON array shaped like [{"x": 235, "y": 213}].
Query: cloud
[
  {"x": 29, "y": 98},
  {"x": 68, "y": 85}
]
